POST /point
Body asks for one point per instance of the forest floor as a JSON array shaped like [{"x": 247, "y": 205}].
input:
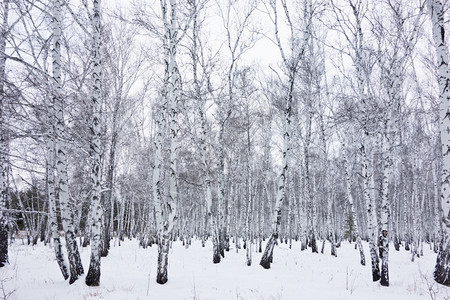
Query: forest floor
[{"x": 128, "y": 272}]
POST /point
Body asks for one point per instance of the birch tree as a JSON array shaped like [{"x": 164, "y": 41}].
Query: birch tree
[
  {"x": 436, "y": 10},
  {"x": 352, "y": 207},
  {"x": 436, "y": 212},
  {"x": 393, "y": 73},
  {"x": 51, "y": 196},
  {"x": 290, "y": 65},
  {"x": 3, "y": 138},
  {"x": 93, "y": 275},
  {"x": 350, "y": 25},
  {"x": 330, "y": 233},
  {"x": 76, "y": 267},
  {"x": 166, "y": 207},
  {"x": 200, "y": 94}
]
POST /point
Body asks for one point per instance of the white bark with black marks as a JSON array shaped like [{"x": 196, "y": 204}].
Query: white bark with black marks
[
  {"x": 166, "y": 205},
  {"x": 266, "y": 259},
  {"x": 385, "y": 214},
  {"x": 211, "y": 219},
  {"x": 248, "y": 196},
  {"x": 417, "y": 214},
  {"x": 368, "y": 178},
  {"x": 394, "y": 82},
  {"x": 352, "y": 208},
  {"x": 4, "y": 167},
  {"x": 51, "y": 195},
  {"x": 437, "y": 209},
  {"x": 76, "y": 267},
  {"x": 442, "y": 270},
  {"x": 93, "y": 275},
  {"x": 290, "y": 65}
]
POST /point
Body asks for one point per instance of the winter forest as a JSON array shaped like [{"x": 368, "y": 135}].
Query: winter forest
[{"x": 270, "y": 128}]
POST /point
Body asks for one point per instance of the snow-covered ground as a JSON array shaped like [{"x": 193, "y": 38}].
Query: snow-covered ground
[{"x": 129, "y": 273}]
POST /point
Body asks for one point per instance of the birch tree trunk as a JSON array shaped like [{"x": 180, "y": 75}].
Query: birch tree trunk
[
  {"x": 109, "y": 200},
  {"x": 367, "y": 182},
  {"x": 437, "y": 210},
  {"x": 93, "y": 275},
  {"x": 165, "y": 208},
  {"x": 352, "y": 209},
  {"x": 291, "y": 199},
  {"x": 248, "y": 194},
  {"x": 371, "y": 210},
  {"x": 442, "y": 270},
  {"x": 405, "y": 205},
  {"x": 87, "y": 229},
  {"x": 221, "y": 217},
  {"x": 248, "y": 236},
  {"x": 308, "y": 180},
  {"x": 417, "y": 213},
  {"x": 266, "y": 258},
  {"x": 385, "y": 215},
  {"x": 291, "y": 65},
  {"x": 303, "y": 224},
  {"x": 132, "y": 220},
  {"x": 211, "y": 219},
  {"x": 121, "y": 212},
  {"x": 394, "y": 85},
  {"x": 325, "y": 178},
  {"x": 266, "y": 195},
  {"x": 109, "y": 195},
  {"x": 3, "y": 141},
  {"x": 51, "y": 195},
  {"x": 76, "y": 267}
]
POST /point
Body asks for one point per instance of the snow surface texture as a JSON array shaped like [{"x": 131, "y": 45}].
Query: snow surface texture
[{"x": 129, "y": 272}]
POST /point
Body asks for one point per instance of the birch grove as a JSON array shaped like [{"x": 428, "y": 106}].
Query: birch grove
[{"x": 241, "y": 124}]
